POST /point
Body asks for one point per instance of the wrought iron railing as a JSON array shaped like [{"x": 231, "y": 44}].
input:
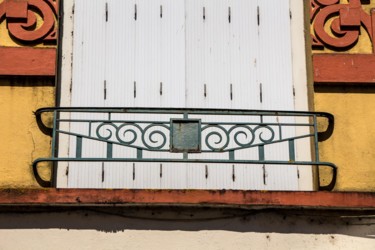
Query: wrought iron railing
[{"x": 183, "y": 134}]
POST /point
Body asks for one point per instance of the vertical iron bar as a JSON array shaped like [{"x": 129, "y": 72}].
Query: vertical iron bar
[
  {"x": 109, "y": 150},
  {"x": 53, "y": 144},
  {"x": 292, "y": 156},
  {"x": 261, "y": 152},
  {"x": 90, "y": 124},
  {"x": 139, "y": 153},
  {"x": 231, "y": 155},
  {"x": 316, "y": 139},
  {"x": 78, "y": 147},
  {"x": 54, "y": 150}
]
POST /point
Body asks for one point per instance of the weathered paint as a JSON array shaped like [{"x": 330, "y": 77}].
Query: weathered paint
[
  {"x": 351, "y": 147},
  {"x": 21, "y": 139},
  {"x": 347, "y": 97},
  {"x": 233, "y": 198}
]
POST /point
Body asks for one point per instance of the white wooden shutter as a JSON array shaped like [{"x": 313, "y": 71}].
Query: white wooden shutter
[{"x": 234, "y": 54}]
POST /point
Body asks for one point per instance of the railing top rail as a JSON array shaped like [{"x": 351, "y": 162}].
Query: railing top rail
[
  {"x": 184, "y": 110},
  {"x": 322, "y": 135}
]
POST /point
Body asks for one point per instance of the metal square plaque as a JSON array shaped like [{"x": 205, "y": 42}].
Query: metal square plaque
[{"x": 185, "y": 135}]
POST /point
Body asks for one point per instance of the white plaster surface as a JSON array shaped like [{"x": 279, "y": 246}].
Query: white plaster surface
[
  {"x": 131, "y": 239},
  {"x": 256, "y": 230}
]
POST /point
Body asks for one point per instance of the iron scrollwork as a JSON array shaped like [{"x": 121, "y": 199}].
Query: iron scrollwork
[
  {"x": 218, "y": 137},
  {"x": 151, "y": 137}
]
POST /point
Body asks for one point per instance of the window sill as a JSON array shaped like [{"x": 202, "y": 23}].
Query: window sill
[{"x": 199, "y": 198}]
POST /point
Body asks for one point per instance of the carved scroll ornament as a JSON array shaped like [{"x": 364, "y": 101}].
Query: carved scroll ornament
[
  {"x": 347, "y": 19},
  {"x": 22, "y": 20}
]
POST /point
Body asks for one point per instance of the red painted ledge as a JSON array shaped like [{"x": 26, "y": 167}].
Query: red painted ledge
[
  {"x": 344, "y": 68},
  {"x": 280, "y": 199},
  {"x": 27, "y": 61}
]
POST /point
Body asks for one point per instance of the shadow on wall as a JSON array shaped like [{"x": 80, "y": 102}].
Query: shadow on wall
[
  {"x": 113, "y": 219},
  {"x": 26, "y": 81},
  {"x": 358, "y": 88}
]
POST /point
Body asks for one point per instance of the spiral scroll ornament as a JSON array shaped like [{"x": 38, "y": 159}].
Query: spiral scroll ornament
[
  {"x": 151, "y": 137},
  {"x": 154, "y": 136},
  {"x": 217, "y": 139},
  {"x": 105, "y": 131},
  {"x": 127, "y": 134},
  {"x": 221, "y": 138}
]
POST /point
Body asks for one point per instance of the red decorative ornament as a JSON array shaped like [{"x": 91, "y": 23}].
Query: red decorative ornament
[
  {"x": 345, "y": 26},
  {"x": 21, "y": 18}
]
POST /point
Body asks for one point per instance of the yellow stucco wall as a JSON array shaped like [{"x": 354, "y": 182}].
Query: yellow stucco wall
[
  {"x": 351, "y": 147},
  {"x": 21, "y": 140}
]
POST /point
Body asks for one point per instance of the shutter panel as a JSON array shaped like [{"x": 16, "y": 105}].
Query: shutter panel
[{"x": 233, "y": 54}]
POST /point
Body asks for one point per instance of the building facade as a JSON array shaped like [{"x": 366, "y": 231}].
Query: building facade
[{"x": 227, "y": 56}]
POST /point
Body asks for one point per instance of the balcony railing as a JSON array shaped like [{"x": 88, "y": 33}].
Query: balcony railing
[{"x": 186, "y": 135}]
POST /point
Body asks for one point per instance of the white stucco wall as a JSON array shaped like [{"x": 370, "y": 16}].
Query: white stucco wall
[{"x": 254, "y": 230}]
